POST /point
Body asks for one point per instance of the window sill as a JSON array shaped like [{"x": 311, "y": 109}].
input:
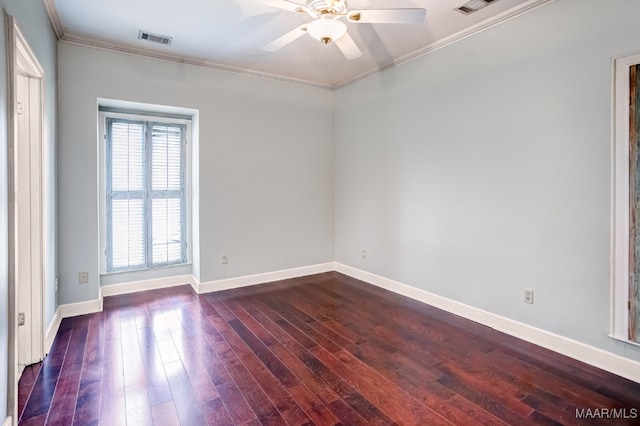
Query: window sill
[
  {"x": 155, "y": 268},
  {"x": 159, "y": 272}
]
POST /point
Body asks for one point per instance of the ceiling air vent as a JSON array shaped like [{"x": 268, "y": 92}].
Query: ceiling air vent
[
  {"x": 156, "y": 38},
  {"x": 473, "y": 6}
]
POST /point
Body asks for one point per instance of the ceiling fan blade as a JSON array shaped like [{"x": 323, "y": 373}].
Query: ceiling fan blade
[
  {"x": 387, "y": 16},
  {"x": 289, "y": 37},
  {"x": 348, "y": 47},
  {"x": 289, "y": 5}
]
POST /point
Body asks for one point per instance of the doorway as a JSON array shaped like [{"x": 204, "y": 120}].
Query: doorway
[{"x": 26, "y": 205}]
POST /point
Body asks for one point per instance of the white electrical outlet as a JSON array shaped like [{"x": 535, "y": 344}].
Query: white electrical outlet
[
  {"x": 83, "y": 277},
  {"x": 364, "y": 253},
  {"x": 225, "y": 259},
  {"x": 528, "y": 295}
]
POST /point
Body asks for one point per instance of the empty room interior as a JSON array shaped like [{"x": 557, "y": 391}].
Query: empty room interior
[{"x": 338, "y": 212}]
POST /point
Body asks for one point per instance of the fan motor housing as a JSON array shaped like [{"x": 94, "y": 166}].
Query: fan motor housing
[{"x": 328, "y": 6}]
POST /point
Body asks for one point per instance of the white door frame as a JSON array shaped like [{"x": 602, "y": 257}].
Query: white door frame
[
  {"x": 620, "y": 238},
  {"x": 21, "y": 61}
]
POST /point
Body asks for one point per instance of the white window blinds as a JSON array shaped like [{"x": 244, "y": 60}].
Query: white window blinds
[
  {"x": 145, "y": 191},
  {"x": 167, "y": 192}
]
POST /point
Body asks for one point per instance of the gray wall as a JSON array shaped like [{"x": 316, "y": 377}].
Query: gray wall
[
  {"x": 265, "y": 165},
  {"x": 485, "y": 167},
  {"x": 34, "y": 23},
  {"x": 471, "y": 172}
]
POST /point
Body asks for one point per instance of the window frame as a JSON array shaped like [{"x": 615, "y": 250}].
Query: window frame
[{"x": 150, "y": 117}]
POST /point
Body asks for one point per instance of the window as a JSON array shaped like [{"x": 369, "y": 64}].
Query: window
[{"x": 145, "y": 190}]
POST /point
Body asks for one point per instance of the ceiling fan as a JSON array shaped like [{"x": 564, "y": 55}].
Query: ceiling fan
[{"x": 327, "y": 25}]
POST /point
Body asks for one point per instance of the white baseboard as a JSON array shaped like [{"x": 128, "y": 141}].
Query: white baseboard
[
  {"x": 608, "y": 361},
  {"x": 81, "y": 308},
  {"x": 92, "y": 306},
  {"x": 8, "y": 421},
  {"x": 52, "y": 331},
  {"x": 153, "y": 284},
  {"x": 267, "y": 277}
]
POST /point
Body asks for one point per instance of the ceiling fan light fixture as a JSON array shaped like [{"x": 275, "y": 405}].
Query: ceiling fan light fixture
[{"x": 326, "y": 30}]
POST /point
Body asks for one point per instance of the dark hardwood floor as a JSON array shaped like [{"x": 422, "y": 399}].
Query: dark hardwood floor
[{"x": 325, "y": 349}]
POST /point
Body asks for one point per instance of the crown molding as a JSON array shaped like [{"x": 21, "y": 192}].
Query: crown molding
[
  {"x": 85, "y": 41},
  {"x": 54, "y": 17},
  {"x": 505, "y": 16}
]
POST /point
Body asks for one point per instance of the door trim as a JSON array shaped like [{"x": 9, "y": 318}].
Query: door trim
[
  {"x": 620, "y": 220},
  {"x": 21, "y": 60}
]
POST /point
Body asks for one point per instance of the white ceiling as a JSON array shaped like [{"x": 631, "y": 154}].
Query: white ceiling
[{"x": 229, "y": 34}]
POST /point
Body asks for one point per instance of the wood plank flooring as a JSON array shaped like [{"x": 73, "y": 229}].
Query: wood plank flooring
[{"x": 325, "y": 349}]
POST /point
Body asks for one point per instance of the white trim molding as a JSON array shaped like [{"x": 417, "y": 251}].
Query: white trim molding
[
  {"x": 82, "y": 40},
  {"x": 54, "y": 17},
  {"x": 620, "y": 197},
  {"x": 605, "y": 360},
  {"x": 144, "y": 285},
  {"x": 80, "y": 308},
  {"x": 93, "y": 306},
  {"x": 85, "y": 41},
  {"x": 608, "y": 361},
  {"x": 522, "y": 9},
  {"x": 52, "y": 330},
  {"x": 267, "y": 277},
  {"x": 28, "y": 260},
  {"x": 8, "y": 421}
]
